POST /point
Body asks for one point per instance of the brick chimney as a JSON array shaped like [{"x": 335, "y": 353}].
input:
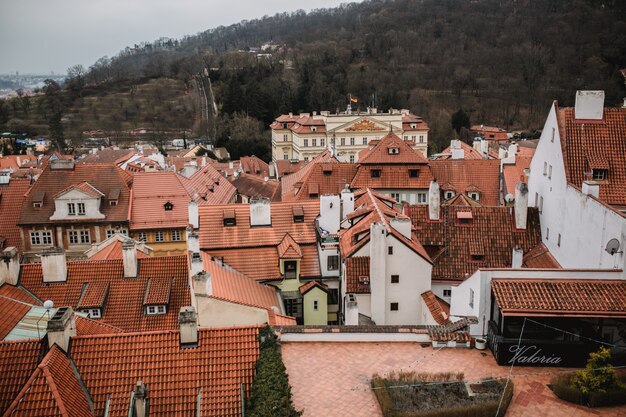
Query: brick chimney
[
  {"x": 187, "y": 319},
  {"x": 140, "y": 400},
  {"x": 521, "y": 205},
  {"x": 53, "y": 265},
  {"x": 9, "y": 266},
  {"x": 129, "y": 256},
  {"x": 589, "y": 105},
  {"x": 434, "y": 201},
  {"x": 61, "y": 327},
  {"x": 260, "y": 212}
]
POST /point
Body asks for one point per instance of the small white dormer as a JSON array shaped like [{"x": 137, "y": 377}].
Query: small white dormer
[{"x": 79, "y": 201}]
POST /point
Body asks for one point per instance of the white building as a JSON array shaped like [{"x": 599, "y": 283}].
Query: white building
[
  {"x": 578, "y": 182},
  {"x": 304, "y": 136}
]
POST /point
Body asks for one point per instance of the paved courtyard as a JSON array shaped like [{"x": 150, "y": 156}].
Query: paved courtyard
[{"x": 332, "y": 379}]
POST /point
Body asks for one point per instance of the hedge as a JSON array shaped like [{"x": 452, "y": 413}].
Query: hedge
[{"x": 563, "y": 389}]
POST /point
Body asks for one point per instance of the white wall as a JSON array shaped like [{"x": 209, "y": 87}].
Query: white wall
[
  {"x": 219, "y": 313},
  {"x": 92, "y": 206},
  {"x": 408, "y": 195},
  {"x": 584, "y": 224}
]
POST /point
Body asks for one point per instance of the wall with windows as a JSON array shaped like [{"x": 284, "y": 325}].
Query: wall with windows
[
  {"x": 163, "y": 241},
  {"x": 411, "y": 196},
  {"x": 75, "y": 204},
  {"x": 315, "y": 307}
]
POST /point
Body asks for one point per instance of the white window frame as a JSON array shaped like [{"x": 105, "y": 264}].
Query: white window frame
[
  {"x": 314, "y": 142},
  {"x": 176, "y": 235},
  {"x": 72, "y": 237},
  {"x": 352, "y": 159},
  {"x": 159, "y": 236},
  {"x": 422, "y": 198},
  {"x": 71, "y": 209},
  {"x": 81, "y": 209},
  {"x": 85, "y": 236},
  {"x": 322, "y": 142},
  {"x": 305, "y": 143},
  {"x": 285, "y": 138},
  {"x": 364, "y": 141},
  {"x": 421, "y": 138},
  {"x": 94, "y": 313},
  {"x": 448, "y": 194},
  {"x": 285, "y": 157},
  {"x": 352, "y": 141},
  {"x": 447, "y": 293},
  {"x": 41, "y": 237},
  {"x": 35, "y": 238},
  {"x": 343, "y": 141},
  {"x": 157, "y": 310},
  {"x": 474, "y": 195}
]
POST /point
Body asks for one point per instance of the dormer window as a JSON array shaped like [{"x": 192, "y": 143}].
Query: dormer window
[
  {"x": 38, "y": 199},
  {"x": 94, "y": 313},
  {"x": 328, "y": 171},
  {"x": 474, "y": 195},
  {"x": 114, "y": 196},
  {"x": 414, "y": 173},
  {"x": 168, "y": 206},
  {"x": 285, "y": 125},
  {"x": 464, "y": 218},
  {"x": 413, "y": 125},
  {"x": 229, "y": 218},
  {"x": 599, "y": 174},
  {"x": 448, "y": 195},
  {"x": 478, "y": 258},
  {"x": 393, "y": 151},
  {"x": 158, "y": 310},
  {"x": 364, "y": 279},
  {"x": 376, "y": 173},
  {"x": 313, "y": 129},
  {"x": 298, "y": 215},
  {"x": 71, "y": 209}
]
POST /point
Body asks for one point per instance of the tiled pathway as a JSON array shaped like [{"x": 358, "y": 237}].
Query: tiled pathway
[{"x": 332, "y": 379}]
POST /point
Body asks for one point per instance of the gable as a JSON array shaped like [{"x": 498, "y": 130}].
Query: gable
[{"x": 362, "y": 124}]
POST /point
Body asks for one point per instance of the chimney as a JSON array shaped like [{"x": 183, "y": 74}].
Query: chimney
[
  {"x": 402, "y": 225},
  {"x": 193, "y": 214},
  {"x": 521, "y": 205},
  {"x": 196, "y": 264},
  {"x": 347, "y": 201},
  {"x": 230, "y": 164},
  {"x": 202, "y": 284},
  {"x": 378, "y": 272},
  {"x": 434, "y": 199},
  {"x": 129, "y": 253},
  {"x": 61, "y": 327},
  {"x": 589, "y": 105},
  {"x": 9, "y": 266},
  {"x": 190, "y": 168},
  {"x": 457, "y": 151},
  {"x": 352, "y": 311},
  {"x": 591, "y": 188},
  {"x": 330, "y": 213},
  {"x": 476, "y": 144},
  {"x": 484, "y": 147},
  {"x": 187, "y": 319},
  {"x": 62, "y": 164},
  {"x": 140, "y": 400},
  {"x": 518, "y": 258},
  {"x": 53, "y": 265},
  {"x": 260, "y": 214}
]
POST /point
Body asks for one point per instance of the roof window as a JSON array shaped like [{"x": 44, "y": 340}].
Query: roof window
[
  {"x": 464, "y": 217},
  {"x": 376, "y": 173},
  {"x": 229, "y": 218},
  {"x": 298, "y": 214},
  {"x": 38, "y": 199},
  {"x": 157, "y": 310},
  {"x": 393, "y": 151},
  {"x": 414, "y": 173},
  {"x": 364, "y": 279},
  {"x": 599, "y": 174},
  {"x": 168, "y": 206}
]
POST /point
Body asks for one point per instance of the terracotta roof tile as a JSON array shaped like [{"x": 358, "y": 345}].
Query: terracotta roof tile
[
  {"x": 18, "y": 361},
  {"x": 86, "y": 326},
  {"x": 289, "y": 249},
  {"x": 468, "y": 152},
  {"x": 12, "y": 312},
  {"x": 108, "y": 156},
  {"x": 540, "y": 257},
  {"x": 94, "y": 295},
  {"x": 287, "y": 167},
  {"x": 114, "y": 251},
  {"x": 83, "y": 187},
  {"x": 600, "y": 298},
  {"x": 16, "y": 161},
  {"x": 288, "y": 182},
  {"x": 207, "y": 179},
  {"x": 102, "y": 176},
  {"x": 492, "y": 228},
  {"x": 459, "y": 174},
  {"x": 158, "y": 291},
  {"x": 253, "y": 165},
  {"x": 358, "y": 275},
  {"x": 304, "y": 288},
  {"x": 461, "y": 200},
  {"x": 595, "y": 144},
  {"x": 513, "y": 172},
  {"x": 396, "y": 177},
  {"x": 18, "y": 293},
  {"x": 125, "y": 301},
  {"x": 175, "y": 378},
  {"x": 434, "y": 306},
  {"x": 381, "y": 152},
  {"x": 255, "y": 187},
  {"x": 322, "y": 178},
  {"x": 11, "y": 200}
]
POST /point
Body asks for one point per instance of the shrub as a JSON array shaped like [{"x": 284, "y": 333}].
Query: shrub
[{"x": 598, "y": 376}]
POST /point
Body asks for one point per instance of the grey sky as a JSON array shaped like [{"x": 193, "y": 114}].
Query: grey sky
[{"x": 39, "y": 36}]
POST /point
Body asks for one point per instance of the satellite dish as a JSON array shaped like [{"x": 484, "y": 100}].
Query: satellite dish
[
  {"x": 48, "y": 304},
  {"x": 509, "y": 198},
  {"x": 612, "y": 246}
]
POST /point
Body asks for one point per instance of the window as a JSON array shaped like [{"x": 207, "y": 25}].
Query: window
[
  {"x": 291, "y": 269},
  {"x": 71, "y": 209},
  {"x": 549, "y": 171},
  {"x": 545, "y": 169},
  {"x": 142, "y": 236},
  {"x": 155, "y": 310},
  {"x": 448, "y": 195},
  {"x": 176, "y": 235},
  {"x": 447, "y": 293},
  {"x": 393, "y": 151},
  {"x": 43, "y": 237},
  {"x": 343, "y": 141},
  {"x": 306, "y": 158},
  {"x": 395, "y": 279},
  {"x": 413, "y": 138},
  {"x": 351, "y": 141},
  {"x": 558, "y": 240},
  {"x": 333, "y": 262},
  {"x": 390, "y": 250},
  {"x": 313, "y": 142},
  {"x": 552, "y": 138},
  {"x": 395, "y": 196},
  {"x": 406, "y": 138},
  {"x": 112, "y": 202},
  {"x": 315, "y": 305},
  {"x": 94, "y": 313},
  {"x": 474, "y": 195},
  {"x": 471, "y": 298},
  {"x": 333, "y": 296},
  {"x": 421, "y": 138},
  {"x": 285, "y": 156},
  {"x": 414, "y": 173},
  {"x": 547, "y": 233},
  {"x": 37, "y": 204},
  {"x": 284, "y": 138},
  {"x": 598, "y": 174},
  {"x": 327, "y": 172},
  {"x": 305, "y": 143},
  {"x": 292, "y": 307},
  {"x": 110, "y": 232},
  {"x": 478, "y": 258},
  {"x": 313, "y": 128},
  {"x": 73, "y": 237},
  {"x": 393, "y": 306},
  {"x": 540, "y": 204},
  {"x": 421, "y": 198},
  {"x": 375, "y": 173},
  {"x": 364, "y": 141},
  {"x": 159, "y": 236},
  {"x": 322, "y": 142},
  {"x": 352, "y": 159},
  {"x": 285, "y": 125},
  {"x": 168, "y": 206},
  {"x": 84, "y": 236},
  {"x": 81, "y": 208}
]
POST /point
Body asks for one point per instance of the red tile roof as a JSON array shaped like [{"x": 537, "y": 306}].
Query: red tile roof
[
  {"x": 321, "y": 178},
  {"x": 124, "y": 307},
  {"x": 52, "y": 390},
  {"x": 358, "y": 275},
  {"x": 18, "y": 360},
  {"x": 86, "y": 326},
  {"x": 108, "y": 156},
  {"x": 513, "y": 172},
  {"x": 83, "y": 187},
  {"x": 104, "y": 177},
  {"x": 210, "y": 186},
  {"x": 545, "y": 297},
  {"x": 595, "y": 144},
  {"x": 409, "y": 120},
  {"x": 114, "y": 251},
  {"x": 304, "y": 288},
  {"x": 449, "y": 243},
  {"x": 461, "y": 200},
  {"x": 468, "y": 152},
  {"x": 177, "y": 379},
  {"x": 288, "y": 183},
  {"x": 12, "y": 312},
  {"x": 380, "y": 153},
  {"x": 289, "y": 248},
  {"x": 18, "y": 293},
  {"x": 15, "y": 162},
  {"x": 461, "y": 176},
  {"x": 158, "y": 291},
  {"x": 434, "y": 306},
  {"x": 540, "y": 257},
  {"x": 11, "y": 200},
  {"x": 254, "y": 166},
  {"x": 94, "y": 295},
  {"x": 395, "y": 177},
  {"x": 287, "y": 167},
  {"x": 255, "y": 187}
]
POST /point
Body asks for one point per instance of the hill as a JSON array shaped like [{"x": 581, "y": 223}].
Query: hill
[{"x": 501, "y": 61}]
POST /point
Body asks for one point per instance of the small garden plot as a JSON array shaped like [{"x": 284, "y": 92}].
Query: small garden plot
[{"x": 410, "y": 394}]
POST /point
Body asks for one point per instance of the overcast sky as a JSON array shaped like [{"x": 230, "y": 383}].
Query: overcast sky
[{"x": 40, "y": 36}]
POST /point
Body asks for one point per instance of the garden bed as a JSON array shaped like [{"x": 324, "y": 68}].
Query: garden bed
[
  {"x": 563, "y": 389},
  {"x": 443, "y": 394}
]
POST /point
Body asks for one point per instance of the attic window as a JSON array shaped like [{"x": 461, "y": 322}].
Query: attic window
[
  {"x": 156, "y": 310},
  {"x": 414, "y": 173},
  {"x": 168, "y": 206},
  {"x": 474, "y": 195},
  {"x": 298, "y": 215},
  {"x": 364, "y": 279},
  {"x": 464, "y": 217},
  {"x": 285, "y": 125},
  {"x": 38, "y": 199},
  {"x": 413, "y": 125},
  {"x": 313, "y": 129},
  {"x": 376, "y": 173},
  {"x": 114, "y": 196},
  {"x": 448, "y": 195},
  {"x": 328, "y": 171},
  {"x": 478, "y": 258},
  {"x": 229, "y": 218},
  {"x": 94, "y": 313},
  {"x": 314, "y": 190},
  {"x": 599, "y": 174},
  {"x": 393, "y": 151}
]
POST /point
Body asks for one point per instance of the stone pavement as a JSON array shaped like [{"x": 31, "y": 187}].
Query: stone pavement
[{"x": 332, "y": 379}]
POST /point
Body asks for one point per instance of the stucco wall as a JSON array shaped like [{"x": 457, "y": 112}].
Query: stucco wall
[{"x": 218, "y": 313}]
